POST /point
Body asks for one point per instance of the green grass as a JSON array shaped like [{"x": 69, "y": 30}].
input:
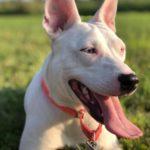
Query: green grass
[
  {"x": 23, "y": 47},
  {"x": 85, "y": 7}
]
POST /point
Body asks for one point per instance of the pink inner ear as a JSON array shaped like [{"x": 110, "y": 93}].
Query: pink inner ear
[
  {"x": 60, "y": 14},
  {"x": 107, "y": 13}
]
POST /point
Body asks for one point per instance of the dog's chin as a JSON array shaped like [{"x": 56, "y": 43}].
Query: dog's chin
[
  {"x": 106, "y": 110},
  {"x": 129, "y": 93}
]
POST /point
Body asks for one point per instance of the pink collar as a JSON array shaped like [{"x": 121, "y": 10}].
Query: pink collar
[{"x": 92, "y": 135}]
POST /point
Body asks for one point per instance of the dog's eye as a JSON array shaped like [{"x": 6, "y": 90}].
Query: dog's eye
[{"x": 89, "y": 50}]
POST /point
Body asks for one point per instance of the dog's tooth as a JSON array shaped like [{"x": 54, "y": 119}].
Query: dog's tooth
[
  {"x": 87, "y": 96},
  {"x": 85, "y": 91},
  {"x": 92, "y": 102}
]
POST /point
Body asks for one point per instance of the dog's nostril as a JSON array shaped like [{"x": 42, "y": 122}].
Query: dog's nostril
[{"x": 128, "y": 82}]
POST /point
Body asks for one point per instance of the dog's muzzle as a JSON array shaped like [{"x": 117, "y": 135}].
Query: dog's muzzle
[{"x": 108, "y": 109}]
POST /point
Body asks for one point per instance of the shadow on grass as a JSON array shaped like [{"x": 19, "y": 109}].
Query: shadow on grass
[{"x": 11, "y": 118}]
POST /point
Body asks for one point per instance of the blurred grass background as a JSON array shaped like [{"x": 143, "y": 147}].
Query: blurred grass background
[
  {"x": 85, "y": 7},
  {"x": 24, "y": 46}
]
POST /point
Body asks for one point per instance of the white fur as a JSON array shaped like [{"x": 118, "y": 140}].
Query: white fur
[{"x": 48, "y": 128}]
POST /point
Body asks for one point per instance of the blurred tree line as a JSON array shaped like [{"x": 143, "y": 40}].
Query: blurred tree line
[{"x": 86, "y": 7}]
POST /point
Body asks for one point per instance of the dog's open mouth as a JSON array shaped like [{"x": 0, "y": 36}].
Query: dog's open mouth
[{"x": 106, "y": 110}]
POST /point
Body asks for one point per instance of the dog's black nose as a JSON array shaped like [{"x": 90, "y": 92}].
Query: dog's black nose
[{"x": 128, "y": 83}]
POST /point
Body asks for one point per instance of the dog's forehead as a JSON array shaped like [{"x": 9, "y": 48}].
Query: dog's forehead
[
  {"x": 83, "y": 29},
  {"x": 84, "y": 35},
  {"x": 81, "y": 34},
  {"x": 108, "y": 34}
]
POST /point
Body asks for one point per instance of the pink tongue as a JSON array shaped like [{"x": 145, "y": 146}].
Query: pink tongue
[{"x": 116, "y": 121}]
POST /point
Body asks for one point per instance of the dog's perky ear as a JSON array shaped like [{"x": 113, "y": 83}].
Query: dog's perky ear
[
  {"x": 60, "y": 15},
  {"x": 107, "y": 13}
]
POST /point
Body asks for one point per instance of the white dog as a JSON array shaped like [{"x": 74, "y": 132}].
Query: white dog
[{"x": 85, "y": 70}]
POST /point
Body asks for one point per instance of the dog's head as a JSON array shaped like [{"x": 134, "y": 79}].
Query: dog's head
[{"x": 88, "y": 62}]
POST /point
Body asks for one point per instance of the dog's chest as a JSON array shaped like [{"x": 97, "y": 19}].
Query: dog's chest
[{"x": 64, "y": 133}]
